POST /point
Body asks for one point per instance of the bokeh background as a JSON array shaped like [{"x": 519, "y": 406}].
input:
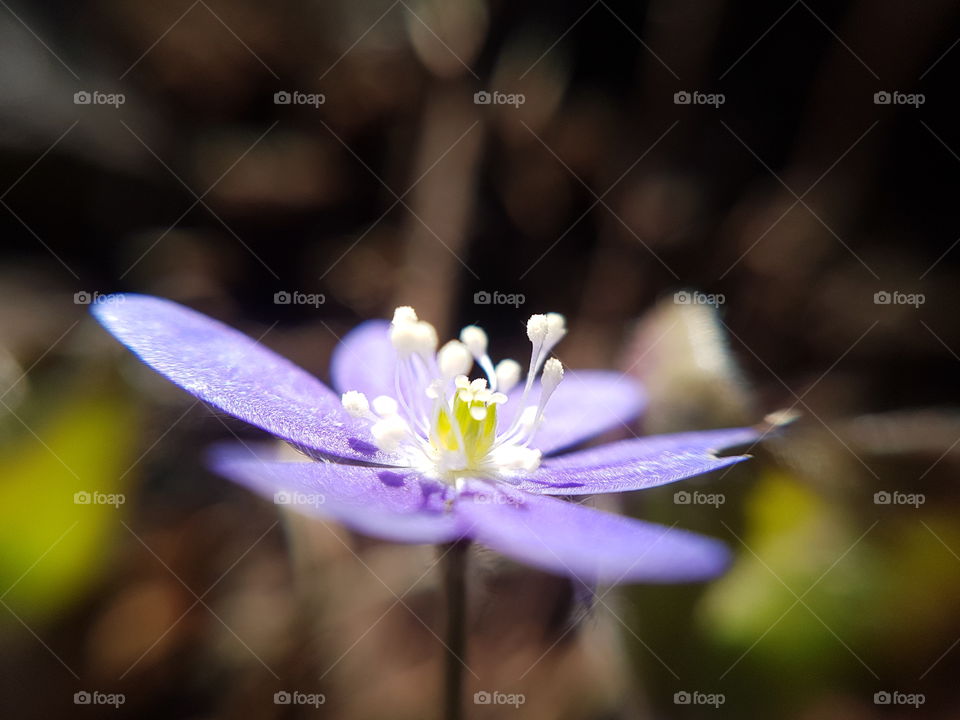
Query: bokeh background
[{"x": 809, "y": 226}]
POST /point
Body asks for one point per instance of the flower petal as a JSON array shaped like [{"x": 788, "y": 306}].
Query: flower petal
[
  {"x": 365, "y": 360},
  {"x": 585, "y": 404},
  {"x": 237, "y": 375},
  {"x": 394, "y": 504},
  {"x": 637, "y": 464},
  {"x": 586, "y": 544}
]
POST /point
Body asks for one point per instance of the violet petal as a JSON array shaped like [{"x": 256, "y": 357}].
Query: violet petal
[
  {"x": 365, "y": 360},
  {"x": 237, "y": 375},
  {"x": 587, "y": 544},
  {"x": 638, "y": 463},
  {"x": 389, "y": 503},
  {"x": 585, "y": 404}
]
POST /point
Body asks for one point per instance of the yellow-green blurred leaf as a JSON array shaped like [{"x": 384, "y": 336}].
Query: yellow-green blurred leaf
[{"x": 52, "y": 545}]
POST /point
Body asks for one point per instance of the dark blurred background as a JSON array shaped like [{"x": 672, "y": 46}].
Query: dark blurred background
[{"x": 751, "y": 206}]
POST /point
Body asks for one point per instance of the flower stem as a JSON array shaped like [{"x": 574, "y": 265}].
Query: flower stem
[{"x": 454, "y": 585}]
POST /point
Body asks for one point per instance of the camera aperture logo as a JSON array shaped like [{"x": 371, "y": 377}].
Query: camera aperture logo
[
  {"x": 685, "y": 497},
  {"x": 285, "y": 297},
  {"x": 84, "y": 497},
  {"x": 484, "y": 697},
  {"x": 895, "y": 97},
  {"x": 96, "y": 97},
  {"x": 895, "y": 297},
  {"x": 685, "y": 97},
  {"x": 685, "y": 697},
  {"x": 485, "y": 297},
  {"x": 285, "y": 97},
  {"x": 296, "y": 697},
  {"x": 885, "y": 497},
  {"x": 495, "y": 97},
  {"x": 686, "y": 297},
  {"x": 95, "y": 697},
  {"x": 83, "y": 297},
  {"x": 896, "y": 697}
]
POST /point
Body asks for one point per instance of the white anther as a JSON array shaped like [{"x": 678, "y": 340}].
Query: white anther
[
  {"x": 551, "y": 377},
  {"x": 516, "y": 457},
  {"x": 462, "y": 382},
  {"x": 404, "y": 314},
  {"x": 413, "y": 337},
  {"x": 389, "y": 432},
  {"x": 497, "y": 398},
  {"x": 384, "y": 405},
  {"x": 556, "y": 328},
  {"x": 454, "y": 359},
  {"x": 478, "y": 385},
  {"x": 355, "y": 403},
  {"x": 475, "y": 339},
  {"x": 483, "y": 395},
  {"x": 478, "y": 413},
  {"x": 508, "y": 375},
  {"x": 537, "y": 327},
  {"x": 433, "y": 390}
]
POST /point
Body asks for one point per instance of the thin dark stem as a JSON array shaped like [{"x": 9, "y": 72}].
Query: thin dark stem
[{"x": 454, "y": 586}]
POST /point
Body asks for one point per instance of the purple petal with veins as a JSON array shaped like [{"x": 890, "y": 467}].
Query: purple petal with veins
[
  {"x": 587, "y": 544},
  {"x": 237, "y": 375},
  {"x": 637, "y": 464}
]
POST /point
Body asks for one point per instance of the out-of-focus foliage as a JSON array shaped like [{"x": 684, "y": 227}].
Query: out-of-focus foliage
[{"x": 52, "y": 548}]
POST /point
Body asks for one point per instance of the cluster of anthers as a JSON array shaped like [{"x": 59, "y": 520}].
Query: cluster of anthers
[{"x": 445, "y": 424}]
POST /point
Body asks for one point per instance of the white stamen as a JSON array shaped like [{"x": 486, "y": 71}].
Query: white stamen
[
  {"x": 413, "y": 337},
  {"x": 433, "y": 390},
  {"x": 389, "y": 432},
  {"x": 537, "y": 327},
  {"x": 404, "y": 314},
  {"x": 427, "y": 427},
  {"x": 516, "y": 457},
  {"x": 454, "y": 359},
  {"x": 556, "y": 328},
  {"x": 355, "y": 403},
  {"x": 508, "y": 375},
  {"x": 552, "y": 375},
  {"x": 475, "y": 339},
  {"x": 384, "y": 405}
]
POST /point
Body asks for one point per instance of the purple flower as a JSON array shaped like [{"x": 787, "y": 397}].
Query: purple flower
[{"x": 416, "y": 452}]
